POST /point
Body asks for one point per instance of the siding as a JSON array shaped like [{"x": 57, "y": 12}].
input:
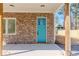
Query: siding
[{"x": 26, "y": 27}]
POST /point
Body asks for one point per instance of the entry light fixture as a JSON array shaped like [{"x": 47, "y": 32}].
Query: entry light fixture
[
  {"x": 11, "y": 5},
  {"x": 42, "y": 5}
]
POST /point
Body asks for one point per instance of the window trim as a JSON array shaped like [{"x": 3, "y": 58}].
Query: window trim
[{"x": 6, "y": 26}]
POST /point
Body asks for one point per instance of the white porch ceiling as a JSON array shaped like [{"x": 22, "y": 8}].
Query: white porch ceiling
[{"x": 31, "y": 7}]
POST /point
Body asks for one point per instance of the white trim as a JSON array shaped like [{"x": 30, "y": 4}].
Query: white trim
[
  {"x": 54, "y": 28},
  {"x": 37, "y": 28},
  {"x": 6, "y": 26}
]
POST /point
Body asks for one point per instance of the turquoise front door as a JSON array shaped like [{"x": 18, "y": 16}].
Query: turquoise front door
[{"x": 41, "y": 30}]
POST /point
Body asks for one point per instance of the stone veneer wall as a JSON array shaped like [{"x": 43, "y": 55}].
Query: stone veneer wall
[{"x": 26, "y": 27}]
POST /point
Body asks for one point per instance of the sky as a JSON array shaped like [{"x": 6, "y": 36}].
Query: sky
[{"x": 60, "y": 19}]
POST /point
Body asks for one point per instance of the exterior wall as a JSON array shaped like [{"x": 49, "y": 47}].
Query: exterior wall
[
  {"x": 26, "y": 27},
  {"x": 74, "y": 34}
]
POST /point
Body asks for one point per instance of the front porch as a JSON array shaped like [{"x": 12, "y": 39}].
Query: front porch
[
  {"x": 37, "y": 49},
  {"x": 32, "y": 50}
]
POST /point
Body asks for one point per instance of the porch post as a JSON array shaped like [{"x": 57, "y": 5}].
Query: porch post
[
  {"x": 1, "y": 33},
  {"x": 67, "y": 30}
]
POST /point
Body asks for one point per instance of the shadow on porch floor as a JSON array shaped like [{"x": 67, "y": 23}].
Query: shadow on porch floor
[{"x": 32, "y": 50}]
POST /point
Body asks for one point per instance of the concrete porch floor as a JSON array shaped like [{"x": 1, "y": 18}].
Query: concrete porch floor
[
  {"x": 74, "y": 48},
  {"x": 32, "y": 50}
]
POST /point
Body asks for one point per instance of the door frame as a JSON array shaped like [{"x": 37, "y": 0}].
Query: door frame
[{"x": 37, "y": 27}]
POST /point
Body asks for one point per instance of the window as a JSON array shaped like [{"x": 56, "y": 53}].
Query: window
[{"x": 9, "y": 26}]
